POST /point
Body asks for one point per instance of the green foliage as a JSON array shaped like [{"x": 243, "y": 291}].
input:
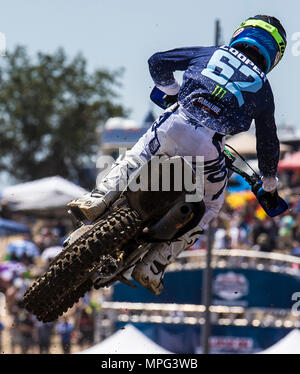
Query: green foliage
[{"x": 49, "y": 111}]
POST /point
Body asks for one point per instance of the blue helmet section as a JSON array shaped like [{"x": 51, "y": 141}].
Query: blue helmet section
[{"x": 257, "y": 37}]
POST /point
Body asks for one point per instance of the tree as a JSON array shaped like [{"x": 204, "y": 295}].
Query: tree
[{"x": 49, "y": 111}]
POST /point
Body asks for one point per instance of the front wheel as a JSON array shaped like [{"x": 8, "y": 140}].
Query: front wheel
[{"x": 67, "y": 278}]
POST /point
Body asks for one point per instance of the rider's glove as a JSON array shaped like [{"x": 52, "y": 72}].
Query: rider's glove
[
  {"x": 271, "y": 202},
  {"x": 170, "y": 100},
  {"x": 161, "y": 99},
  {"x": 266, "y": 192},
  {"x": 268, "y": 200},
  {"x": 165, "y": 96}
]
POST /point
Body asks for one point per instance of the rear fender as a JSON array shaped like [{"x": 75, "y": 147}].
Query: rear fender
[{"x": 159, "y": 185}]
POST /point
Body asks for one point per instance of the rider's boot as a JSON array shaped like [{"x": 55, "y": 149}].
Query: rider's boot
[
  {"x": 92, "y": 205},
  {"x": 151, "y": 270},
  {"x": 89, "y": 206}
]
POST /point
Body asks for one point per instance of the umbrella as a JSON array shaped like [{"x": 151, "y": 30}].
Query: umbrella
[
  {"x": 51, "y": 252},
  {"x": 237, "y": 184},
  {"x": 245, "y": 143},
  {"x": 8, "y": 227},
  {"x": 290, "y": 163},
  {"x": 18, "y": 248},
  {"x": 239, "y": 199},
  {"x": 10, "y": 269},
  {"x": 295, "y": 251},
  {"x": 42, "y": 194}
]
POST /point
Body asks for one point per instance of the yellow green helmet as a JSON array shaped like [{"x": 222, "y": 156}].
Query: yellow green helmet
[{"x": 263, "y": 34}]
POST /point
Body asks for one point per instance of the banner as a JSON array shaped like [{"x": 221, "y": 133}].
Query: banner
[
  {"x": 224, "y": 339},
  {"x": 231, "y": 287}
]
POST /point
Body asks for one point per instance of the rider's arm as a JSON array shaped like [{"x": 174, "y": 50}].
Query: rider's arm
[
  {"x": 267, "y": 143},
  {"x": 162, "y": 65}
]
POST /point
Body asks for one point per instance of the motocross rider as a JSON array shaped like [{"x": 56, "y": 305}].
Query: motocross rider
[{"x": 224, "y": 88}]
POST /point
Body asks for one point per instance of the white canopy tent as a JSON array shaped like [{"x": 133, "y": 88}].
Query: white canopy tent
[
  {"x": 121, "y": 123},
  {"x": 290, "y": 344},
  {"x": 245, "y": 144},
  {"x": 126, "y": 341},
  {"x": 42, "y": 194}
]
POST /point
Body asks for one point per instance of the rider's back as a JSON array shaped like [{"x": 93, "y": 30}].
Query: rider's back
[{"x": 222, "y": 88}]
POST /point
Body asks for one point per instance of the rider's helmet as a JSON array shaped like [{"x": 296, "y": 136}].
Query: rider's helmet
[{"x": 263, "y": 39}]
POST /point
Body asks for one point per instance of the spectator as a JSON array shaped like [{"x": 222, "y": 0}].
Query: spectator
[
  {"x": 44, "y": 331},
  {"x": 286, "y": 232},
  {"x": 48, "y": 238},
  {"x": 220, "y": 241},
  {"x": 15, "y": 292},
  {"x": 61, "y": 229},
  {"x": 14, "y": 332},
  {"x": 1, "y": 329},
  {"x": 296, "y": 235},
  {"x": 262, "y": 243},
  {"x": 65, "y": 329},
  {"x": 86, "y": 329},
  {"x": 264, "y": 235},
  {"x": 23, "y": 250},
  {"x": 14, "y": 295},
  {"x": 27, "y": 332},
  {"x": 221, "y": 238}
]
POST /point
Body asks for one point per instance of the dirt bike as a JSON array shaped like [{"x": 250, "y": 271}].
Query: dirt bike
[{"x": 100, "y": 253}]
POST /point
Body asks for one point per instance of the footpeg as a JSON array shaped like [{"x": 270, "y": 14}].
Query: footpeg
[{"x": 122, "y": 279}]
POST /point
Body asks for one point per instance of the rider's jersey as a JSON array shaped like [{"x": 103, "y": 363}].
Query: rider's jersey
[{"x": 224, "y": 91}]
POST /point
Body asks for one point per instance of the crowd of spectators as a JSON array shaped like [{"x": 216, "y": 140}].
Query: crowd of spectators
[
  {"x": 21, "y": 259},
  {"x": 248, "y": 227}
]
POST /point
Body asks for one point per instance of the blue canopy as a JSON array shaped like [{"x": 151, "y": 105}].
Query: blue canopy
[
  {"x": 20, "y": 247},
  {"x": 8, "y": 227},
  {"x": 237, "y": 183},
  {"x": 295, "y": 251}
]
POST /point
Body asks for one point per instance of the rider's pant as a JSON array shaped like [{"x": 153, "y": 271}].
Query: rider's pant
[{"x": 174, "y": 133}]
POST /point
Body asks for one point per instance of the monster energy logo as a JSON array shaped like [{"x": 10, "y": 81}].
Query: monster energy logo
[{"x": 219, "y": 92}]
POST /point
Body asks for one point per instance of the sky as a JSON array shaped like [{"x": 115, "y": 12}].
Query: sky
[{"x": 118, "y": 33}]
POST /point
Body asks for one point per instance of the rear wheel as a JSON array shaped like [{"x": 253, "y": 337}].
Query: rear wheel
[{"x": 67, "y": 278}]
